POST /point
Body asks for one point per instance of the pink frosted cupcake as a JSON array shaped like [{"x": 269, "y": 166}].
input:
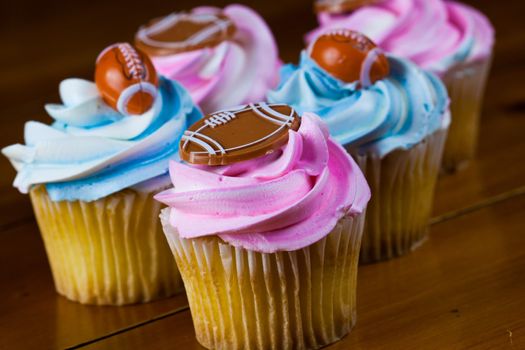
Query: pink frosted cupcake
[
  {"x": 223, "y": 57},
  {"x": 268, "y": 242},
  {"x": 447, "y": 38}
]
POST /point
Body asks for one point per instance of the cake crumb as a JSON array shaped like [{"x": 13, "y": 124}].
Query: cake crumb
[{"x": 510, "y": 337}]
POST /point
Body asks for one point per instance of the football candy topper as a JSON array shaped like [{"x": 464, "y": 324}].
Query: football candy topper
[
  {"x": 350, "y": 56},
  {"x": 126, "y": 79},
  {"x": 342, "y": 6},
  {"x": 182, "y": 32},
  {"x": 238, "y": 134}
]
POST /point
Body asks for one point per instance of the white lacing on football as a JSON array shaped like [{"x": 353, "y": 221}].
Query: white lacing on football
[
  {"x": 366, "y": 67},
  {"x": 134, "y": 63},
  {"x": 203, "y": 35},
  {"x": 342, "y": 32},
  {"x": 272, "y": 115},
  {"x": 195, "y": 136},
  {"x": 222, "y": 117},
  {"x": 127, "y": 94},
  {"x": 361, "y": 40},
  {"x": 217, "y": 25},
  {"x": 219, "y": 119}
]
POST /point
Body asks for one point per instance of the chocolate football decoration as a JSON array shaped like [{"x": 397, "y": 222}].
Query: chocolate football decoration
[
  {"x": 182, "y": 32},
  {"x": 342, "y": 6},
  {"x": 350, "y": 56},
  {"x": 126, "y": 79},
  {"x": 243, "y": 133}
]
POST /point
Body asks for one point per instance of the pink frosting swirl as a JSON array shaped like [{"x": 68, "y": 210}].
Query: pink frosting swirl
[
  {"x": 234, "y": 72},
  {"x": 283, "y": 201},
  {"x": 435, "y": 34}
]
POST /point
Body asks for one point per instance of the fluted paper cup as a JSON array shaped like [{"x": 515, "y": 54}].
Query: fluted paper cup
[
  {"x": 241, "y": 299},
  {"x": 110, "y": 251},
  {"x": 402, "y": 185},
  {"x": 466, "y": 86}
]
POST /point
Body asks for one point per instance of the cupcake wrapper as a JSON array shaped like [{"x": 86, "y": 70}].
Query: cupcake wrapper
[
  {"x": 241, "y": 299},
  {"x": 466, "y": 86},
  {"x": 110, "y": 251},
  {"x": 402, "y": 185}
]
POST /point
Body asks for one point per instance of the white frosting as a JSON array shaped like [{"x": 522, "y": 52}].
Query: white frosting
[{"x": 76, "y": 146}]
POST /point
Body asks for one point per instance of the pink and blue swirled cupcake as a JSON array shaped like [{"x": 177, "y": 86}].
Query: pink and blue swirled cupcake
[
  {"x": 390, "y": 115},
  {"x": 267, "y": 238},
  {"x": 92, "y": 173},
  {"x": 450, "y": 39},
  {"x": 223, "y": 57}
]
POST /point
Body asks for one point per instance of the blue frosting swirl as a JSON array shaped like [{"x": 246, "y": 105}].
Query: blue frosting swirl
[
  {"x": 91, "y": 151},
  {"x": 396, "y": 112}
]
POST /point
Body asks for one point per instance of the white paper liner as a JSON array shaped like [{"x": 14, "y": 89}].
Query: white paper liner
[
  {"x": 466, "y": 86},
  {"x": 111, "y": 251},
  {"x": 241, "y": 299},
  {"x": 402, "y": 185}
]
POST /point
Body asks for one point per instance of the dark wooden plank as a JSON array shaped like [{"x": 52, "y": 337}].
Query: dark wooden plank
[
  {"x": 462, "y": 290},
  {"x": 33, "y": 316},
  {"x": 498, "y": 167}
]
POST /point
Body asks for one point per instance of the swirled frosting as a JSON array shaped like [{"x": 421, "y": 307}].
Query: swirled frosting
[
  {"x": 91, "y": 151},
  {"x": 435, "y": 34},
  {"x": 283, "y": 201},
  {"x": 232, "y": 73},
  {"x": 394, "y": 113}
]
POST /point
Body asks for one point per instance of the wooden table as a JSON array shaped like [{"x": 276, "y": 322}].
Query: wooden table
[{"x": 464, "y": 289}]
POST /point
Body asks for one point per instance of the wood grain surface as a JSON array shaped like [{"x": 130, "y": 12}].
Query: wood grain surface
[{"x": 464, "y": 289}]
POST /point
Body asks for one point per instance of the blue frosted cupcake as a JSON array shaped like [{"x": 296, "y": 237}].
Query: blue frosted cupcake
[
  {"x": 91, "y": 176},
  {"x": 391, "y": 116}
]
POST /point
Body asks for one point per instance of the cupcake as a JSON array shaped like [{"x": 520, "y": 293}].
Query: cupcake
[
  {"x": 265, "y": 224},
  {"x": 92, "y": 173},
  {"x": 390, "y": 115},
  {"x": 223, "y": 57},
  {"x": 450, "y": 39}
]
